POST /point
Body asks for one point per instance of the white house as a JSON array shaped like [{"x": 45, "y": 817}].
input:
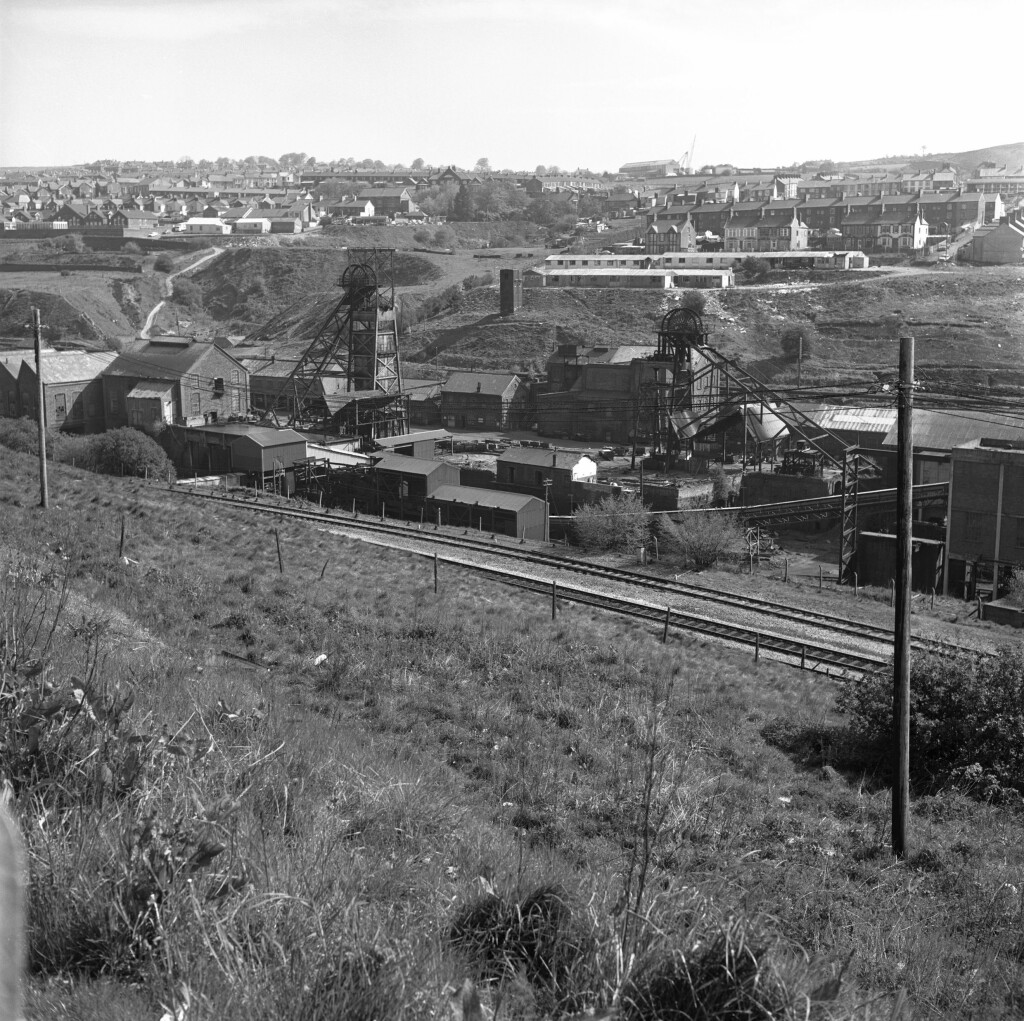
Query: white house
[
  {"x": 206, "y": 225},
  {"x": 252, "y": 225}
]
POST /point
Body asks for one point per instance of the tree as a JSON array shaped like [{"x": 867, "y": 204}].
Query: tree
[
  {"x": 437, "y": 200},
  {"x": 754, "y": 269},
  {"x": 483, "y": 165},
  {"x": 541, "y": 170},
  {"x": 464, "y": 207},
  {"x": 798, "y": 341},
  {"x": 418, "y": 164}
]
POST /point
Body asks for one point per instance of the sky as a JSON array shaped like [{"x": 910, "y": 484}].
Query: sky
[{"x": 572, "y": 83}]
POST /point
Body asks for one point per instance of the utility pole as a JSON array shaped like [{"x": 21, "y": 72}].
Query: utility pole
[
  {"x": 901, "y": 631},
  {"x": 44, "y": 494}
]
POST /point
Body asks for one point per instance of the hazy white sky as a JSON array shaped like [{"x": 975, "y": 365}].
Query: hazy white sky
[{"x": 590, "y": 83}]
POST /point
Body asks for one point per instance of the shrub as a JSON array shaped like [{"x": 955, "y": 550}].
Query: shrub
[
  {"x": 754, "y": 269},
  {"x": 537, "y": 935},
  {"x": 695, "y": 301},
  {"x": 130, "y": 452},
  {"x": 966, "y": 717},
  {"x": 188, "y": 293},
  {"x": 797, "y": 341},
  {"x": 164, "y": 263},
  {"x": 73, "y": 244},
  {"x": 723, "y": 486},
  {"x": 701, "y": 539},
  {"x": 614, "y": 523},
  {"x": 477, "y": 280},
  {"x": 132, "y": 248},
  {"x": 1015, "y": 586}
]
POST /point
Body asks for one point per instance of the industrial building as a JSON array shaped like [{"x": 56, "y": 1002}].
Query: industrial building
[
  {"x": 488, "y": 510},
  {"x": 548, "y": 474},
  {"x": 985, "y": 523}
]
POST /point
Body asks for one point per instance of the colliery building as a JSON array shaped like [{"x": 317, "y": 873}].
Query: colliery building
[{"x": 172, "y": 380}]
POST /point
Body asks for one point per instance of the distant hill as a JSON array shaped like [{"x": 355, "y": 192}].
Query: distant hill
[{"x": 1010, "y": 155}]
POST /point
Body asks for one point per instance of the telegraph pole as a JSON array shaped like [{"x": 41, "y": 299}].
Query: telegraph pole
[
  {"x": 44, "y": 494},
  {"x": 901, "y": 631}
]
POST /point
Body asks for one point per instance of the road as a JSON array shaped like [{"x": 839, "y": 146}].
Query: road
[{"x": 167, "y": 287}]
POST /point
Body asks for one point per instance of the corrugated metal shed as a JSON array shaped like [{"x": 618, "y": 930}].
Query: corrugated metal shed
[{"x": 944, "y": 430}]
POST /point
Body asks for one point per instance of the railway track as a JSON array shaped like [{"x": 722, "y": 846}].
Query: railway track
[{"x": 764, "y": 638}]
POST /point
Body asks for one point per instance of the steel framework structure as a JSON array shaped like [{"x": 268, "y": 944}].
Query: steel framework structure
[
  {"x": 354, "y": 351},
  {"x": 699, "y": 389}
]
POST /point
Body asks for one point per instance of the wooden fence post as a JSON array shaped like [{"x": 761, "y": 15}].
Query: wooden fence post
[
  {"x": 757, "y": 646},
  {"x": 819, "y": 577},
  {"x": 435, "y": 570},
  {"x": 786, "y": 576},
  {"x": 664, "y": 634},
  {"x": 280, "y": 559},
  {"x": 554, "y": 598}
]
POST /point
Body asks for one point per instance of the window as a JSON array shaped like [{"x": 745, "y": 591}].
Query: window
[
  {"x": 1019, "y": 538},
  {"x": 218, "y": 386},
  {"x": 195, "y": 402},
  {"x": 60, "y": 406},
  {"x": 115, "y": 401}
]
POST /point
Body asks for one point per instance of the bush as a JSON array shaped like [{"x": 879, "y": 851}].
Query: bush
[
  {"x": 700, "y": 540},
  {"x": 797, "y": 341},
  {"x": 130, "y": 452},
  {"x": 188, "y": 293},
  {"x": 1015, "y": 586},
  {"x": 614, "y": 523},
  {"x": 477, "y": 280},
  {"x": 723, "y": 486},
  {"x": 966, "y": 718},
  {"x": 754, "y": 269},
  {"x": 132, "y": 248},
  {"x": 695, "y": 301},
  {"x": 164, "y": 263}
]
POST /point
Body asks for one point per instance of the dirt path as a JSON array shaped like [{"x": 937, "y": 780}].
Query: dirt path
[{"x": 167, "y": 287}]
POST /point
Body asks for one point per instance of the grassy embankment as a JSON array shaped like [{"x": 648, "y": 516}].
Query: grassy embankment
[{"x": 568, "y": 811}]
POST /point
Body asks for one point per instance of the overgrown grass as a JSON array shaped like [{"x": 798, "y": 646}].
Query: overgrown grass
[{"x": 569, "y": 814}]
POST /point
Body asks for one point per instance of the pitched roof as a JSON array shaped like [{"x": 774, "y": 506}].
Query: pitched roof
[
  {"x": 542, "y": 458},
  {"x": 484, "y": 497},
  {"x": 409, "y": 465},
  {"x": 154, "y": 359},
  {"x": 944, "y": 430},
  {"x": 493, "y": 384},
  {"x": 72, "y": 366}
]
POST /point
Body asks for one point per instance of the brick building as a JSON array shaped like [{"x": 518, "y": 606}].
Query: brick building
[{"x": 174, "y": 380}]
